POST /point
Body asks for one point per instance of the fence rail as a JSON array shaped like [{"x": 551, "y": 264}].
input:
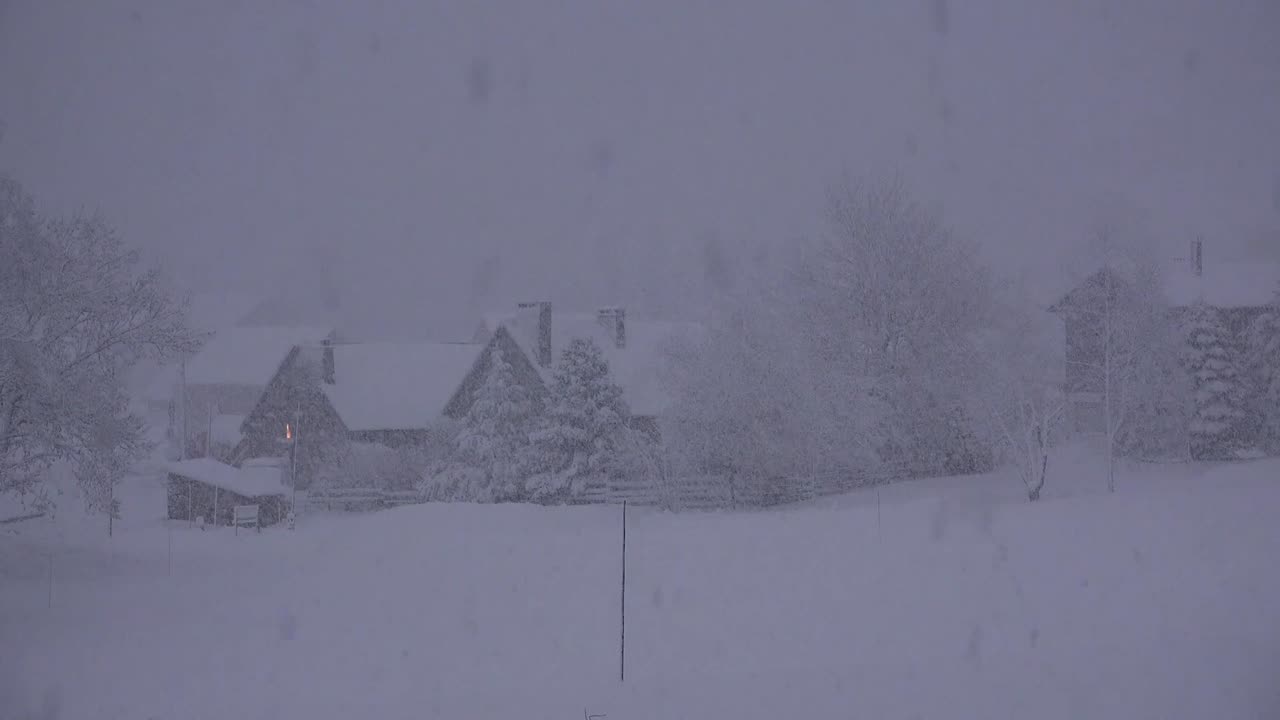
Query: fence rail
[
  {"x": 698, "y": 492},
  {"x": 707, "y": 492},
  {"x": 363, "y": 498}
]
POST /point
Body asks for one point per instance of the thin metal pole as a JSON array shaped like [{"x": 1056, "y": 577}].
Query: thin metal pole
[
  {"x": 182, "y": 443},
  {"x": 293, "y": 461},
  {"x": 51, "y": 581},
  {"x": 170, "y": 526},
  {"x": 877, "y": 512},
  {"x": 622, "y": 647}
]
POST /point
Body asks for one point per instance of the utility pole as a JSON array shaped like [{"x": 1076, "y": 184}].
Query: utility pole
[
  {"x": 622, "y": 647},
  {"x": 293, "y": 459},
  {"x": 208, "y": 437},
  {"x": 182, "y": 442}
]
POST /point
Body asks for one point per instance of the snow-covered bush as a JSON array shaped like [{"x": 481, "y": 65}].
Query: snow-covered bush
[{"x": 369, "y": 465}]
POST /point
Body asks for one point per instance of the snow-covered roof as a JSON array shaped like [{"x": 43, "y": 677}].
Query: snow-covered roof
[
  {"x": 250, "y": 481},
  {"x": 396, "y": 385},
  {"x": 637, "y": 367},
  {"x": 1224, "y": 284},
  {"x": 247, "y": 355}
]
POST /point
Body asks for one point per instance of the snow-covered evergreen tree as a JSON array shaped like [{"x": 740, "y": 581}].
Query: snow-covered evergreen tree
[
  {"x": 579, "y": 444},
  {"x": 1220, "y": 399},
  {"x": 1264, "y": 374},
  {"x": 491, "y": 447}
]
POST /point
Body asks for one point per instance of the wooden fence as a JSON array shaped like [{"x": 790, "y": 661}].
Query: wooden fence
[
  {"x": 698, "y": 492},
  {"x": 362, "y": 498},
  {"x": 707, "y": 492}
]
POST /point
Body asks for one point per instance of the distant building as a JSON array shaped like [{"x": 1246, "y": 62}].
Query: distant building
[
  {"x": 218, "y": 387},
  {"x": 636, "y": 350},
  {"x": 1241, "y": 291},
  {"x": 207, "y": 313},
  {"x": 408, "y": 394},
  {"x": 325, "y": 394}
]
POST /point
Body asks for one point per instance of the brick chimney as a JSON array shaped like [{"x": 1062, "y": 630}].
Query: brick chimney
[
  {"x": 614, "y": 322},
  {"x": 542, "y": 335},
  {"x": 326, "y": 362}
]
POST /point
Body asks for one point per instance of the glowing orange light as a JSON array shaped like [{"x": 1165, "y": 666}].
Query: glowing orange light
[{"x": 288, "y": 432}]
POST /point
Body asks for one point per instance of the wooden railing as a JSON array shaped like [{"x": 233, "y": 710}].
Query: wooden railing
[
  {"x": 709, "y": 492},
  {"x": 362, "y": 498}
]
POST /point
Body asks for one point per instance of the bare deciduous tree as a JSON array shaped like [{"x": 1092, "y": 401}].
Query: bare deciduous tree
[
  {"x": 77, "y": 309},
  {"x": 1020, "y": 385},
  {"x": 1124, "y": 318}
]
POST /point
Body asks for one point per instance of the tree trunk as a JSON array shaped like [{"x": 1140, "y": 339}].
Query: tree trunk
[
  {"x": 1111, "y": 466},
  {"x": 1033, "y": 493}
]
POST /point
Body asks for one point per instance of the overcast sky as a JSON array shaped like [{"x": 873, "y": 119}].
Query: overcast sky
[{"x": 596, "y": 147}]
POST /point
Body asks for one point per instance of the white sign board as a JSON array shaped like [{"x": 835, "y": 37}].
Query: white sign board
[{"x": 245, "y": 515}]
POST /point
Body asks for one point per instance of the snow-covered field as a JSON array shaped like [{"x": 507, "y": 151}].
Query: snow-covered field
[{"x": 945, "y": 599}]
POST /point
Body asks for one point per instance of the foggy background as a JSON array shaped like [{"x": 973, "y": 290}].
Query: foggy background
[{"x": 425, "y": 161}]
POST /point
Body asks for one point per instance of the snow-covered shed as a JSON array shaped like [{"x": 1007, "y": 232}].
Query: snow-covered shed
[{"x": 204, "y": 487}]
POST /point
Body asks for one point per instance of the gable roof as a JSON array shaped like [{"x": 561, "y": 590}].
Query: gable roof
[
  {"x": 638, "y": 367},
  {"x": 247, "y": 355},
  {"x": 1221, "y": 285},
  {"x": 1224, "y": 284},
  {"x": 396, "y": 385}
]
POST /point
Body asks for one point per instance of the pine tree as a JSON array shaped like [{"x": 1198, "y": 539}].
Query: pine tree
[
  {"x": 1218, "y": 419},
  {"x": 491, "y": 447},
  {"x": 1264, "y": 373},
  {"x": 579, "y": 445}
]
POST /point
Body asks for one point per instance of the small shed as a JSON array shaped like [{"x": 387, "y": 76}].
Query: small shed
[{"x": 204, "y": 487}]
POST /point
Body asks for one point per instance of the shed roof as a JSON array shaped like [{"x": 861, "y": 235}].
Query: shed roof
[{"x": 251, "y": 481}]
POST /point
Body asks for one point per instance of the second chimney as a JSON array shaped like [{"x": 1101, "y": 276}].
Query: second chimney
[
  {"x": 1197, "y": 256},
  {"x": 326, "y": 362},
  {"x": 543, "y": 332},
  {"x": 614, "y": 322}
]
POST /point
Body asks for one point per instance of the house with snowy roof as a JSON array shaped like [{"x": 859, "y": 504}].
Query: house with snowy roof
[
  {"x": 395, "y": 394},
  {"x": 222, "y": 382},
  {"x": 156, "y": 385},
  {"x": 326, "y": 395},
  {"x": 1239, "y": 291},
  {"x": 636, "y": 350}
]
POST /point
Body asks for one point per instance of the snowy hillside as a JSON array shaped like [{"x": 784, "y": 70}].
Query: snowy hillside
[{"x": 947, "y": 600}]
